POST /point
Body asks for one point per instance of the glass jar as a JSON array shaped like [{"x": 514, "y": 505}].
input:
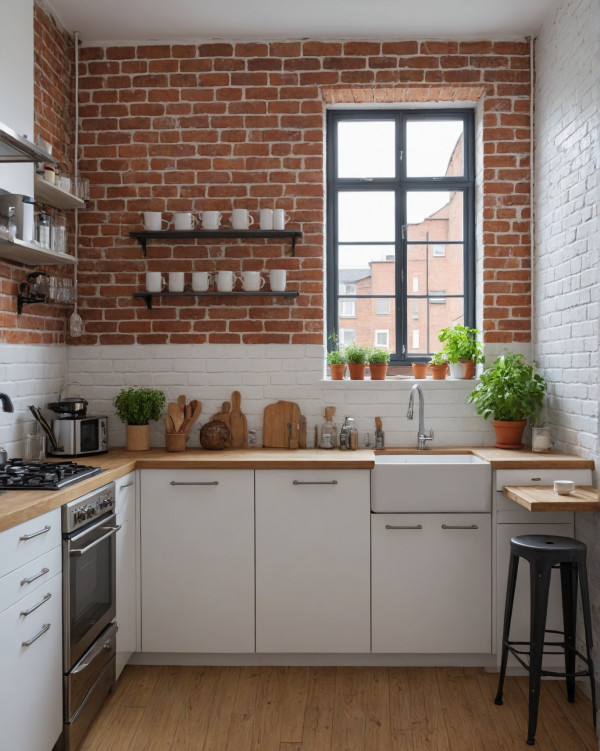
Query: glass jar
[
  {"x": 59, "y": 234},
  {"x": 540, "y": 439},
  {"x": 43, "y": 229}
]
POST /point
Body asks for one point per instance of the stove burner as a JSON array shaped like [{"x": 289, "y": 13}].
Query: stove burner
[{"x": 20, "y": 475}]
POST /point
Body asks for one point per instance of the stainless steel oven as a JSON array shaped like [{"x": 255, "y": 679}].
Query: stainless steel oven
[{"x": 89, "y": 607}]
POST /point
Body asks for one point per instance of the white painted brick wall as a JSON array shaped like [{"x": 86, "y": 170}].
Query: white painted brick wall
[
  {"x": 567, "y": 247},
  {"x": 29, "y": 375},
  {"x": 263, "y": 374}
]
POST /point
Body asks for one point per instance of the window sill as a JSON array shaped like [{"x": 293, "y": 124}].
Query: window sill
[{"x": 391, "y": 382}]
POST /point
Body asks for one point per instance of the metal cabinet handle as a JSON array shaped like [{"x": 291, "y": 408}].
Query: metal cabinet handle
[
  {"x": 93, "y": 652},
  {"x": 47, "y": 528},
  {"x": 45, "y": 627},
  {"x": 391, "y": 526},
  {"x": 315, "y": 482},
  {"x": 214, "y": 482},
  {"x": 448, "y": 526},
  {"x": 127, "y": 485},
  {"x": 43, "y": 572},
  {"x": 536, "y": 479},
  {"x": 82, "y": 551},
  {"x": 39, "y": 605}
]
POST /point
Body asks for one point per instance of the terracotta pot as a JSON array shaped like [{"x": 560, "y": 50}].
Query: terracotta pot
[
  {"x": 469, "y": 368},
  {"x": 175, "y": 441},
  {"x": 419, "y": 370},
  {"x": 378, "y": 370},
  {"x": 137, "y": 437},
  {"x": 337, "y": 371},
  {"x": 509, "y": 434},
  {"x": 439, "y": 372},
  {"x": 357, "y": 371}
]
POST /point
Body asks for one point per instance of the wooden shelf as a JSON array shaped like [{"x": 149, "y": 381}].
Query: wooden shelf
[
  {"x": 143, "y": 237},
  {"x": 147, "y": 296},
  {"x": 543, "y": 498},
  {"x": 32, "y": 254},
  {"x": 45, "y": 192}
]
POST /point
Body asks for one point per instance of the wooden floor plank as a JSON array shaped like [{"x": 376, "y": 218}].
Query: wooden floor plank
[{"x": 332, "y": 709}]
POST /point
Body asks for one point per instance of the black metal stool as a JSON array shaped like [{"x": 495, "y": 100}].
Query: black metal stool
[{"x": 545, "y": 552}]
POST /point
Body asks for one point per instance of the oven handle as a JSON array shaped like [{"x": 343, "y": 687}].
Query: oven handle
[
  {"x": 82, "y": 551},
  {"x": 93, "y": 652}
]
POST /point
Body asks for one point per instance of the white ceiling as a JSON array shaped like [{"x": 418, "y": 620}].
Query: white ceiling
[{"x": 120, "y": 20}]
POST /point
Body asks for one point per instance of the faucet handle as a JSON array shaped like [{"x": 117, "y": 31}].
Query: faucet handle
[{"x": 429, "y": 436}]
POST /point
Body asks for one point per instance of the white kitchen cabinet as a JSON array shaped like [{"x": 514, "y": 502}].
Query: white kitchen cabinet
[
  {"x": 197, "y": 560},
  {"x": 431, "y": 583},
  {"x": 312, "y": 561},
  {"x": 31, "y": 634},
  {"x": 125, "y": 492}
]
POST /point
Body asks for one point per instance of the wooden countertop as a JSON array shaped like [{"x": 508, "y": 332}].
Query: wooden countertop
[
  {"x": 543, "y": 498},
  {"x": 20, "y": 505}
]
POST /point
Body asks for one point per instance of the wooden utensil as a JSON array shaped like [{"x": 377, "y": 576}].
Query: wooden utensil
[
  {"x": 175, "y": 414},
  {"x": 169, "y": 426},
  {"x": 281, "y": 425},
  {"x": 192, "y": 410},
  {"x": 181, "y": 400},
  {"x": 238, "y": 425},
  {"x": 302, "y": 436}
]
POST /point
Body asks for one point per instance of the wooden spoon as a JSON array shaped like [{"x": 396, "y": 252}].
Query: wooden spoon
[
  {"x": 181, "y": 400},
  {"x": 176, "y": 415},
  {"x": 195, "y": 414},
  {"x": 169, "y": 426}
]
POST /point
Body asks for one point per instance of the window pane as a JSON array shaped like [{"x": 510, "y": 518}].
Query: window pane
[
  {"x": 416, "y": 326},
  {"x": 441, "y": 315},
  {"x": 366, "y": 149},
  {"x": 435, "y": 215},
  {"x": 366, "y": 216},
  {"x": 434, "y": 148},
  {"x": 368, "y": 326},
  {"x": 370, "y": 268},
  {"x": 428, "y": 270}
]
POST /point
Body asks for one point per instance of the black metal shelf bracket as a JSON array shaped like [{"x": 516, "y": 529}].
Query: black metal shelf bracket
[
  {"x": 147, "y": 296},
  {"x": 219, "y": 234}
]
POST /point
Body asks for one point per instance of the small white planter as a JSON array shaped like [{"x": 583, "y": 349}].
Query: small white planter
[{"x": 457, "y": 370}]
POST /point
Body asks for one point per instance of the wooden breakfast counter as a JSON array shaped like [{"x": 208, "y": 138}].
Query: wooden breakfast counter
[{"x": 543, "y": 498}]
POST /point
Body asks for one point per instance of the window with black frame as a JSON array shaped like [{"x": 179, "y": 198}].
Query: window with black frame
[{"x": 400, "y": 227}]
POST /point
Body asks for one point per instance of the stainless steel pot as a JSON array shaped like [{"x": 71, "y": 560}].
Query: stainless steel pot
[{"x": 75, "y": 406}]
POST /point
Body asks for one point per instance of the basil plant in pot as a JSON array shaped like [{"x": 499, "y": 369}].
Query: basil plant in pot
[
  {"x": 462, "y": 350},
  {"x": 357, "y": 358},
  {"x": 136, "y": 407},
  {"x": 378, "y": 363},
  {"x": 336, "y": 360},
  {"x": 510, "y": 391}
]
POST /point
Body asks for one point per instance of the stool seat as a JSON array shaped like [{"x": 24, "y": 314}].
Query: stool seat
[{"x": 545, "y": 553}]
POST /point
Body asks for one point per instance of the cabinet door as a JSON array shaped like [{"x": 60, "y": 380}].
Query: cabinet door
[
  {"x": 197, "y": 550},
  {"x": 31, "y": 676},
  {"x": 519, "y": 630},
  {"x": 431, "y": 583},
  {"x": 312, "y": 561},
  {"x": 126, "y": 570}
]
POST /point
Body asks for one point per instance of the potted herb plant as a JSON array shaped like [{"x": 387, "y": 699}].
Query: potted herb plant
[
  {"x": 378, "y": 363},
  {"x": 510, "y": 391},
  {"x": 419, "y": 370},
  {"x": 462, "y": 350},
  {"x": 439, "y": 366},
  {"x": 336, "y": 360},
  {"x": 356, "y": 357},
  {"x": 136, "y": 407}
]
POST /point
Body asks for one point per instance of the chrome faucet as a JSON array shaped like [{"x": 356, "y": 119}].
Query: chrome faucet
[
  {"x": 422, "y": 436},
  {"x": 7, "y": 405}
]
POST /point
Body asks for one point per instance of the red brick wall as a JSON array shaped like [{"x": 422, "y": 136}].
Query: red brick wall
[
  {"x": 190, "y": 127},
  {"x": 54, "y": 121}
]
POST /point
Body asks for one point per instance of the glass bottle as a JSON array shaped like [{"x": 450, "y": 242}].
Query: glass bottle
[
  {"x": 328, "y": 439},
  {"x": 43, "y": 228}
]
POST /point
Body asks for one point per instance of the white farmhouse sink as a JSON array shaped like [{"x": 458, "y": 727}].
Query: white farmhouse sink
[{"x": 430, "y": 483}]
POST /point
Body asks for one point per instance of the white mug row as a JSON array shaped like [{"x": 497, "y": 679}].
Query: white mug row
[
  {"x": 225, "y": 281},
  {"x": 240, "y": 219}
]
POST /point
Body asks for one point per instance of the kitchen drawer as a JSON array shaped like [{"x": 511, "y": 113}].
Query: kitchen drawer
[
  {"x": 44, "y": 533},
  {"x": 30, "y": 577},
  {"x": 540, "y": 477},
  {"x": 31, "y": 676},
  {"x": 125, "y": 497}
]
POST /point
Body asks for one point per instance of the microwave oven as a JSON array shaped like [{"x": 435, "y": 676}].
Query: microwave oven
[{"x": 78, "y": 436}]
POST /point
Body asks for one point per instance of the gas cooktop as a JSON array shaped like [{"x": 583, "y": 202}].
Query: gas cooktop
[{"x": 20, "y": 475}]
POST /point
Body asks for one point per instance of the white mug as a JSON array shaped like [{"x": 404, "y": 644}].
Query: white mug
[
  {"x": 252, "y": 281},
  {"x": 184, "y": 221},
  {"x": 153, "y": 221},
  {"x": 155, "y": 281},
  {"x": 200, "y": 281},
  {"x": 176, "y": 281},
  {"x": 241, "y": 219},
  {"x": 279, "y": 219},
  {"x": 266, "y": 218},
  {"x": 564, "y": 487},
  {"x": 277, "y": 280},
  {"x": 225, "y": 281},
  {"x": 211, "y": 219}
]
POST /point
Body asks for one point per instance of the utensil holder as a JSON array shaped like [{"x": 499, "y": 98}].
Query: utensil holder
[{"x": 175, "y": 441}]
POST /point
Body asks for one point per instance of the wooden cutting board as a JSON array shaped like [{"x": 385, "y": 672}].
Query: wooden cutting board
[
  {"x": 238, "y": 425},
  {"x": 281, "y": 425},
  {"x": 224, "y": 416}
]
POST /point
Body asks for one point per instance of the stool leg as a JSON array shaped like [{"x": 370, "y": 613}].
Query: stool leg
[
  {"x": 587, "y": 622},
  {"x": 568, "y": 581},
  {"x": 513, "y": 569},
  {"x": 540, "y": 586}
]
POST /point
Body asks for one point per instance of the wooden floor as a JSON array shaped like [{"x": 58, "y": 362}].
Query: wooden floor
[{"x": 331, "y": 709}]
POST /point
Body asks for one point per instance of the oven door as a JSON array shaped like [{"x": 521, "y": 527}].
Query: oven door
[{"x": 89, "y": 586}]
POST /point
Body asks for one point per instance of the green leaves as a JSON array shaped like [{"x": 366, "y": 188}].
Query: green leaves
[
  {"x": 460, "y": 343},
  {"x": 139, "y": 406},
  {"x": 509, "y": 390},
  {"x": 379, "y": 355},
  {"x": 356, "y": 354}
]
